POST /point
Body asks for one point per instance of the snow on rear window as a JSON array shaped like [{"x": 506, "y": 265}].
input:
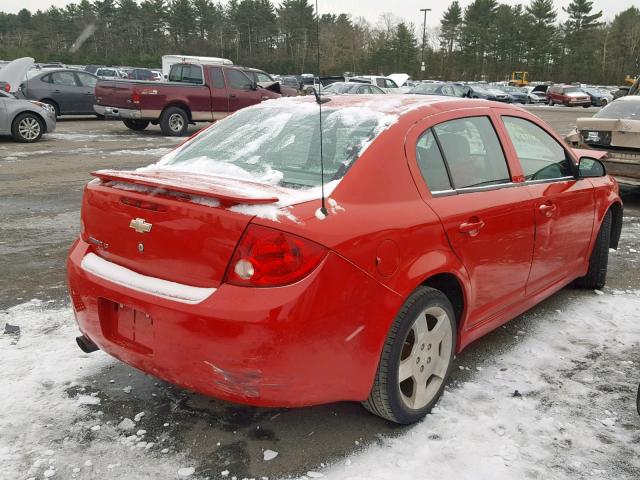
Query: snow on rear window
[{"x": 278, "y": 143}]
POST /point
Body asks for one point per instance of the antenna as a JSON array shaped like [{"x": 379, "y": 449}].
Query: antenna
[{"x": 320, "y": 101}]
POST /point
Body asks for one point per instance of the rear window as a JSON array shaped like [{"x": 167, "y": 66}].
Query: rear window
[
  {"x": 621, "y": 109},
  {"x": 279, "y": 143}
]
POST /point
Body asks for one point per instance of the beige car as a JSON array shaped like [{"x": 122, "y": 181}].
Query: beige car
[{"x": 615, "y": 130}]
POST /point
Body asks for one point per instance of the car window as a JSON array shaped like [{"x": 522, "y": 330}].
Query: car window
[
  {"x": 191, "y": 74},
  {"x": 86, "y": 80},
  {"x": 380, "y": 82},
  {"x": 46, "y": 78},
  {"x": 238, "y": 80},
  {"x": 390, "y": 83},
  {"x": 217, "y": 77},
  {"x": 175, "y": 74},
  {"x": 472, "y": 152},
  {"x": 541, "y": 157},
  {"x": 63, "y": 78},
  {"x": 431, "y": 163},
  {"x": 263, "y": 77},
  {"x": 376, "y": 90}
]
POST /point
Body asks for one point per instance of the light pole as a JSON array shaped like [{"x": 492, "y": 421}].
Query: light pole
[{"x": 423, "y": 67}]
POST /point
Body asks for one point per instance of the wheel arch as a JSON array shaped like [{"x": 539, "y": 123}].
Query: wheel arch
[
  {"x": 43, "y": 123},
  {"x": 616, "y": 225},
  {"x": 179, "y": 104},
  {"x": 53, "y": 102},
  {"x": 449, "y": 284}
]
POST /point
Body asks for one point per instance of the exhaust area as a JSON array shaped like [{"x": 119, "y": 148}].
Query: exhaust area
[{"x": 86, "y": 345}]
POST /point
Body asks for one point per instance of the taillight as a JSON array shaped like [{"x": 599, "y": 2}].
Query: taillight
[
  {"x": 7, "y": 87},
  {"x": 266, "y": 257},
  {"x": 135, "y": 97}
]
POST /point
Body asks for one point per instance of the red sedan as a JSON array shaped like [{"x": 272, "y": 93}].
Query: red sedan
[{"x": 215, "y": 269}]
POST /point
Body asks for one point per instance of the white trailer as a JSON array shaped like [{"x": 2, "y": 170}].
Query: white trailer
[{"x": 168, "y": 60}]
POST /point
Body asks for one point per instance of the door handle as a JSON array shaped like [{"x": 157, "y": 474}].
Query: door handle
[
  {"x": 547, "y": 209},
  {"x": 471, "y": 227},
  {"x": 233, "y": 96},
  {"x": 57, "y": 91}
]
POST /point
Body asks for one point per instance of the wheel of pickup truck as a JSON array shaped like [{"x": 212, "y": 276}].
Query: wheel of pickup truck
[
  {"x": 174, "y": 122},
  {"x": 137, "y": 125}
]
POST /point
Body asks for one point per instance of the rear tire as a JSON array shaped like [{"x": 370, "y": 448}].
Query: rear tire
[
  {"x": 551, "y": 103},
  {"x": 137, "y": 125},
  {"x": 27, "y": 128},
  {"x": 174, "y": 122},
  {"x": 420, "y": 347},
  {"x": 596, "y": 276}
]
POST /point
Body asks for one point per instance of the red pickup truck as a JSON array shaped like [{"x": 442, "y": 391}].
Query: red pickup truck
[{"x": 193, "y": 93}]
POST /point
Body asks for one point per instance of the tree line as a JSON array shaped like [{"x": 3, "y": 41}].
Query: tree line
[{"x": 486, "y": 40}]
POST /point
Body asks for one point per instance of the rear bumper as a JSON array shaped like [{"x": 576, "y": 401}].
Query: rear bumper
[
  {"x": 316, "y": 341},
  {"x": 117, "y": 112}
]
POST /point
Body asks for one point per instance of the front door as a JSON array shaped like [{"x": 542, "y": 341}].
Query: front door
[
  {"x": 240, "y": 88},
  {"x": 66, "y": 92},
  {"x": 487, "y": 218},
  {"x": 88, "y": 86},
  {"x": 564, "y": 206}
]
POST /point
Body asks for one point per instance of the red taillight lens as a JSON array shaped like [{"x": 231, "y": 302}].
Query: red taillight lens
[
  {"x": 266, "y": 257},
  {"x": 7, "y": 87},
  {"x": 135, "y": 97}
]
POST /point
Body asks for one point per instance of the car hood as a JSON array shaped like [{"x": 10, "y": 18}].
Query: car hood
[
  {"x": 13, "y": 73},
  {"x": 540, "y": 89},
  {"x": 399, "y": 78}
]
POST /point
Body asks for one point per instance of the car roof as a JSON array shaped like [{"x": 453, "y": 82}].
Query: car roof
[
  {"x": 629, "y": 98},
  {"x": 399, "y": 104}
]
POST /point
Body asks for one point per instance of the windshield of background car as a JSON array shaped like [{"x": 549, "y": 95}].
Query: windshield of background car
[
  {"x": 278, "y": 143},
  {"x": 338, "y": 88},
  {"x": 426, "y": 89},
  {"x": 572, "y": 90},
  {"x": 620, "y": 110}
]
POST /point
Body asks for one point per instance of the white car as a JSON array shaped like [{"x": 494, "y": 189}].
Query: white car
[{"x": 388, "y": 84}]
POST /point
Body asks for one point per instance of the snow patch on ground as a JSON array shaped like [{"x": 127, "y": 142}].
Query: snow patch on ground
[{"x": 44, "y": 430}]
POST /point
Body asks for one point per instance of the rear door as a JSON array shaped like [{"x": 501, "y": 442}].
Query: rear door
[
  {"x": 564, "y": 206},
  {"x": 487, "y": 217},
  {"x": 65, "y": 91},
  {"x": 88, "y": 86},
  {"x": 219, "y": 95}
]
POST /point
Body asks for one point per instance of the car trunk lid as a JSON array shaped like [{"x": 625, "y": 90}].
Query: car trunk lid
[{"x": 169, "y": 225}]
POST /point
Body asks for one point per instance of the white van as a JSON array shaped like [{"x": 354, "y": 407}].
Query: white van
[{"x": 168, "y": 60}]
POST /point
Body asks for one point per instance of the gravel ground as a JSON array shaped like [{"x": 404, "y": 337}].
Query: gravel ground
[{"x": 40, "y": 192}]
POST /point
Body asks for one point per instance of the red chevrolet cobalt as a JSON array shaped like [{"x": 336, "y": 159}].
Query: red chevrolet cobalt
[{"x": 217, "y": 268}]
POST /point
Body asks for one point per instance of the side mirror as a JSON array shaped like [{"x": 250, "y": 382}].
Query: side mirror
[{"x": 590, "y": 168}]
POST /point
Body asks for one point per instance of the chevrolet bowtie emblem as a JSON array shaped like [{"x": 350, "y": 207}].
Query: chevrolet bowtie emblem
[{"x": 140, "y": 225}]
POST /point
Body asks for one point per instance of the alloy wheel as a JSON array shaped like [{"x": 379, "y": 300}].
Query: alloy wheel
[
  {"x": 425, "y": 357},
  {"x": 29, "y": 128}
]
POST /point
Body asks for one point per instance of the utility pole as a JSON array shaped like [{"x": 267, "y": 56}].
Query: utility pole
[{"x": 423, "y": 67}]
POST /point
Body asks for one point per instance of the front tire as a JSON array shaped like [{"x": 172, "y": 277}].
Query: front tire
[
  {"x": 174, "y": 122},
  {"x": 137, "y": 125},
  {"x": 551, "y": 103},
  {"x": 416, "y": 358},
  {"x": 27, "y": 128},
  {"x": 596, "y": 276}
]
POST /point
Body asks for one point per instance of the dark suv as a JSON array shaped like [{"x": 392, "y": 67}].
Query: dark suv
[{"x": 568, "y": 96}]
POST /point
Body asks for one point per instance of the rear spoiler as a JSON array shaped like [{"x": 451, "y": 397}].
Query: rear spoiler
[{"x": 229, "y": 191}]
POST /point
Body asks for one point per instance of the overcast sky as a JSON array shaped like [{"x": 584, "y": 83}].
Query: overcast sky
[{"x": 370, "y": 9}]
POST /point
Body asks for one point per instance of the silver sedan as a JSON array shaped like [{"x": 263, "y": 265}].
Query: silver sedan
[{"x": 25, "y": 120}]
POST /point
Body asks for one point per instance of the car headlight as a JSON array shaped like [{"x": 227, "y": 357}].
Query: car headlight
[{"x": 44, "y": 106}]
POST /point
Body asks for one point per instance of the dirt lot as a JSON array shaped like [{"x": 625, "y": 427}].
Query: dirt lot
[{"x": 40, "y": 192}]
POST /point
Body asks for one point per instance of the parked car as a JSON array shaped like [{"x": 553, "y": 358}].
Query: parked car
[
  {"x": 193, "y": 93},
  {"x": 444, "y": 89},
  {"x": 487, "y": 93},
  {"x": 25, "y": 120},
  {"x": 69, "y": 92},
  {"x": 599, "y": 97},
  {"x": 108, "y": 73},
  {"x": 265, "y": 80},
  {"x": 567, "y": 95},
  {"x": 615, "y": 130},
  {"x": 386, "y": 83},
  {"x": 142, "y": 74},
  {"x": 445, "y": 218},
  {"x": 536, "y": 94},
  {"x": 290, "y": 81},
  {"x": 93, "y": 68},
  {"x": 353, "y": 88},
  {"x": 516, "y": 94}
]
